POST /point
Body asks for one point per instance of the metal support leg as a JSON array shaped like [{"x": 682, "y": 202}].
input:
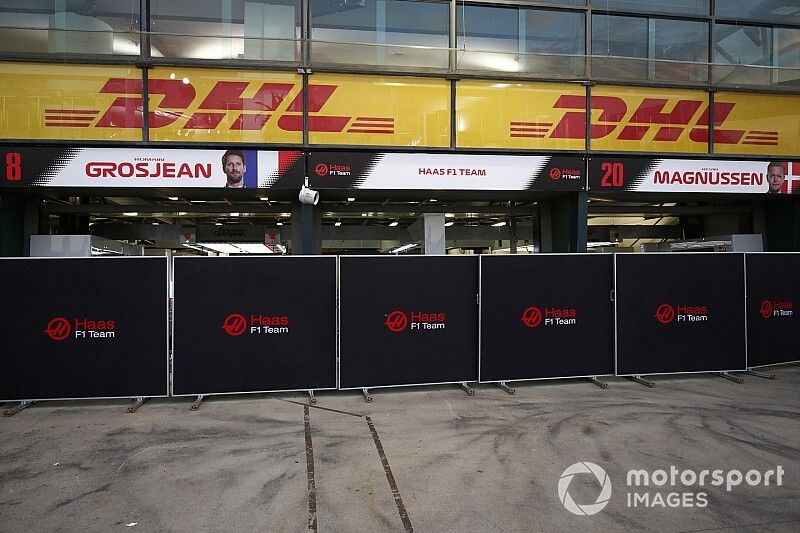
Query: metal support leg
[
  {"x": 639, "y": 379},
  {"x": 601, "y": 384},
  {"x": 197, "y": 402},
  {"x": 503, "y": 385},
  {"x": 730, "y": 377},
  {"x": 367, "y": 396},
  {"x": 469, "y": 390},
  {"x": 137, "y": 403},
  {"x": 24, "y": 404},
  {"x": 765, "y": 375},
  {"x": 311, "y": 399}
]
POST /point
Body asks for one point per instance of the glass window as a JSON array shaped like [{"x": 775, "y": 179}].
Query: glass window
[
  {"x": 749, "y": 45},
  {"x": 641, "y": 38},
  {"x": 787, "y": 47},
  {"x": 683, "y": 41},
  {"x": 740, "y": 46},
  {"x": 226, "y": 29},
  {"x": 69, "y": 27},
  {"x": 521, "y": 40},
  {"x": 780, "y": 11},
  {"x": 380, "y": 32},
  {"x": 672, "y": 7},
  {"x": 561, "y": 2}
]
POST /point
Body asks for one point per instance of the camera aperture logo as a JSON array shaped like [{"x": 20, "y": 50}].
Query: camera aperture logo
[
  {"x": 671, "y": 487},
  {"x": 587, "y": 509}
]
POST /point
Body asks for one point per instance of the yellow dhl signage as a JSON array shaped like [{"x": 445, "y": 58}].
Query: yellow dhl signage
[
  {"x": 223, "y": 106},
  {"x": 553, "y": 116},
  {"x": 217, "y": 105}
]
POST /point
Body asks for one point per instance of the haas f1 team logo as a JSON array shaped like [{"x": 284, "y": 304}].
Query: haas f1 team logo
[
  {"x": 665, "y": 313},
  {"x": 653, "y": 115},
  {"x": 770, "y": 309},
  {"x": 234, "y": 324},
  {"x": 398, "y": 321},
  {"x": 58, "y": 328},
  {"x": 532, "y": 317},
  {"x": 181, "y": 106}
]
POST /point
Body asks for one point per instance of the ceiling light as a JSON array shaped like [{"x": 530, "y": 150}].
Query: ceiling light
[
  {"x": 337, "y": 223},
  {"x": 263, "y": 198},
  {"x": 173, "y": 198},
  {"x": 234, "y": 214},
  {"x": 131, "y": 214},
  {"x": 393, "y": 223},
  {"x": 182, "y": 213},
  {"x": 433, "y": 200},
  {"x": 217, "y": 223},
  {"x": 449, "y": 215},
  {"x": 155, "y": 223},
  {"x": 197, "y": 201},
  {"x": 280, "y": 223},
  {"x": 351, "y": 199},
  {"x": 448, "y": 224},
  {"x": 499, "y": 224}
]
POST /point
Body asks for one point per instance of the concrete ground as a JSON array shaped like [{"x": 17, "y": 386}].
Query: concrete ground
[{"x": 423, "y": 458}]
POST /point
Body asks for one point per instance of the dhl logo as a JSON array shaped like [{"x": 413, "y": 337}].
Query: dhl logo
[
  {"x": 650, "y": 115},
  {"x": 224, "y": 98}
]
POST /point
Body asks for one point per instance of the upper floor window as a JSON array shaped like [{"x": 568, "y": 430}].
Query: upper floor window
[
  {"x": 779, "y": 11},
  {"x": 95, "y": 27},
  {"x": 671, "y": 7},
  {"x": 521, "y": 40},
  {"x": 400, "y": 33},
  {"x": 226, "y": 29},
  {"x": 683, "y": 45}
]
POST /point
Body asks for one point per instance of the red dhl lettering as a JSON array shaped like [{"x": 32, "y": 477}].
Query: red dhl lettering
[
  {"x": 648, "y": 116},
  {"x": 110, "y": 169},
  {"x": 225, "y": 97}
]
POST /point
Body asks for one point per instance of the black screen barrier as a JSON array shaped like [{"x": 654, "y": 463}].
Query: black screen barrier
[
  {"x": 546, "y": 316},
  {"x": 679, "y": 313},
  {"x": 254, "y": 324},
  {"x": 409, "y": 320},
  {"x": 83, "y": 328},
  {"x": 773, "y": 324}
]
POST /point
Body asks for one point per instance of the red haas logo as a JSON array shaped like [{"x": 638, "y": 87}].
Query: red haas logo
[
  {"x": 321, "y": 169},
  {"x": 555, "y": 174},
  {"x": 264, "y": 320},
  {"x": 665, "y": 313},
  {"x": 396, "y": 321},
  {"x": 771, "y": 308},
  {"x": 58, "y": 329},
  {"x": 532, "y": 317},
  {"x": 234, "y": 324},
  {"x": 766, "y": 309}
]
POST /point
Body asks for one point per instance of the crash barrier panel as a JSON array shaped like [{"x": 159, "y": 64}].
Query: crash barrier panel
[
  {"x": 408, "y": 320},
  {"x": 254, "y": 324},
  {"x": 546, "y": 316},
  {"x": 773, "y": 323},
  {"x": 679, "y": 313},
  {"x": 83, "y": 328}
]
